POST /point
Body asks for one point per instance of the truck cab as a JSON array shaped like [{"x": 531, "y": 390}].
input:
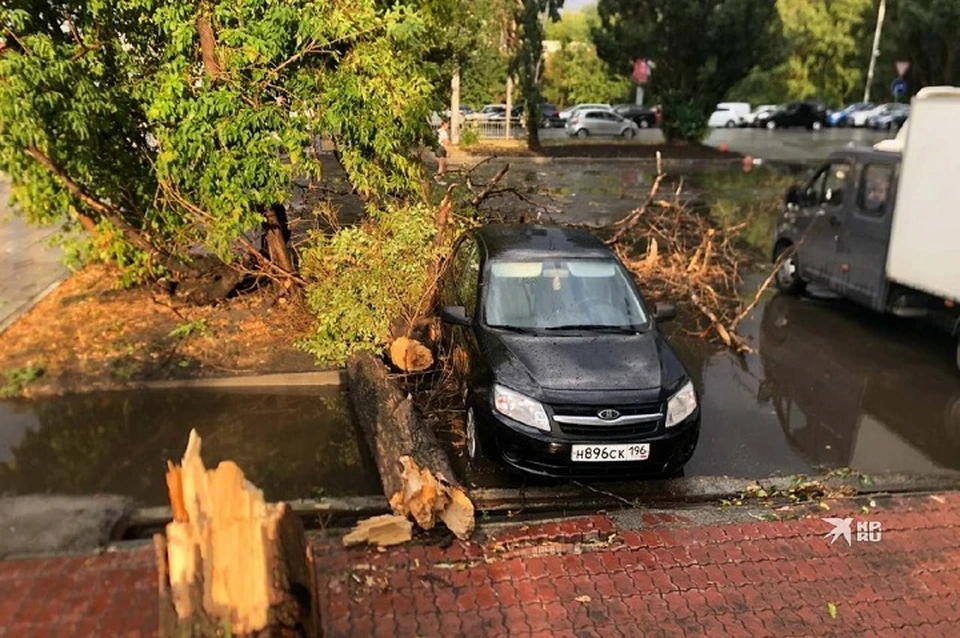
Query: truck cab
[{"x": 881, "y": 226}]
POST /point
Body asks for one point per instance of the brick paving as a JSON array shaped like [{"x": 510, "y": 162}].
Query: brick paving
[{"x": 653, "y": 574}]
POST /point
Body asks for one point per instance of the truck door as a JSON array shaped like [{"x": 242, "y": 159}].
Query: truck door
[
  {"x": 824, "y": 203},
  {"x": 865, "y": 234}
]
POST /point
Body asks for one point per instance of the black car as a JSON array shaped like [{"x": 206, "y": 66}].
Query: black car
[
  {"x": 811, "y": 115},
  {"x": 644, "y": 117},
  {"x": 565, "y": 371}
]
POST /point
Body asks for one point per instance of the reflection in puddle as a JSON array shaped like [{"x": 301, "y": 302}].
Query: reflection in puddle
[{"x": 296, "y": 442}]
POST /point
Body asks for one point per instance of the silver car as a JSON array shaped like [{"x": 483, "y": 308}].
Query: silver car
[{"x": 587, "y": 122}]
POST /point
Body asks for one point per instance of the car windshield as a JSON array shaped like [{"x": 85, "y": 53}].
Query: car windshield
[{"x": 572, "y": 294}]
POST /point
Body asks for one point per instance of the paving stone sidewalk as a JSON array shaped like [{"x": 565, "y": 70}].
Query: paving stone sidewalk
[{"x": 630, "y": 574}]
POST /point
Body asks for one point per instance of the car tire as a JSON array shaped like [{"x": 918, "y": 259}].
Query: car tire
[
  {"x": 816, "y": 126},
  {"x": 730, "y": 124},
  {"x": 583, "y": 133},
  {"x": 787, "y": 278},
  {"x": 644, "y": 124},
  {"x": 682, "y": 456},
  {"x": 958, "y": 353},
  {"x": 628, "y": 133},
  {"x": 770, "y": 125}
]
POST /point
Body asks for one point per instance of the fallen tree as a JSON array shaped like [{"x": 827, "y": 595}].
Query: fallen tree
[{"x": 414, "y": 469}]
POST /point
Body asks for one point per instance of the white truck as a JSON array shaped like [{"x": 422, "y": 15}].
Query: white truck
[{"x": 881, "y": 226}]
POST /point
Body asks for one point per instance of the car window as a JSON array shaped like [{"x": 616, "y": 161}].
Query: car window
[
  {"x": 565, "y": 293},
  {"x": 829, "y": 186},
  {"x": 875, "y": 188},
  {"x": 468, "y": 276}
]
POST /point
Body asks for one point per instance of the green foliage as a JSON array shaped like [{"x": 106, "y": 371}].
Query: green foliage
[
  {"x": 173, "y": 153},
  {"x": 191, "y": 328},
  {"x": 483, "y": 75},
  {"x": 366, "y": 276},
  {"x": 469, "y": 136},
  {"x": 702, "y": 48},
  {"x": 15, "y": 380},
  {"x": 575, "y": 73}
]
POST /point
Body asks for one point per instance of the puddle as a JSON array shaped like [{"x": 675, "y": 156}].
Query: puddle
[{"x": 293, "y": 442}]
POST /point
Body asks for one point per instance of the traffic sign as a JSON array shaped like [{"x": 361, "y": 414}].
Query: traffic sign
[
  {"x": 902, "y": 67},
  {"x": 898, "y": 87}
]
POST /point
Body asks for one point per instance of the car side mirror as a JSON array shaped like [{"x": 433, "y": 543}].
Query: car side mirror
[
  {"x": 665, "y": 311},
  {"x": 456, "y": 315}
]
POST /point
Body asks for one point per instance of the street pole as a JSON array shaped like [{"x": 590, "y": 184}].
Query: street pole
[
  {"x": 455, "y": 107},
  {"x": 875, "y": 51},
  {"x": 509, "y": 104}
]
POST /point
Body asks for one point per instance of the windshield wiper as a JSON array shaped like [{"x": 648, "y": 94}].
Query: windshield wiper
[
  {"x": 596, "y": 327},
  {"x": 518, "y": 329}
]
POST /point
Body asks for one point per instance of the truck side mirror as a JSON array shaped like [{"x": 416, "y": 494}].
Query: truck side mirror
[{"x": 793, "y": 194}]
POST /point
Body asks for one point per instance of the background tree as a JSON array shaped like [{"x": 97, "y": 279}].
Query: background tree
[
  {"x": 701, "y": 48},
  {"x": 483, "y": 76},
  {"x": 576, "y": 73},
  {"x": 527, "y": 60}
]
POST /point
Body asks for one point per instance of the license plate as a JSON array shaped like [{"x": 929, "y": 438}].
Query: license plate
[{"x": 609, "y": 452}]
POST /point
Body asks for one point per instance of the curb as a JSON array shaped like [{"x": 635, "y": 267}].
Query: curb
[
  {"x": 320, "y": 378},
  {"x": 28, "y": 305}
]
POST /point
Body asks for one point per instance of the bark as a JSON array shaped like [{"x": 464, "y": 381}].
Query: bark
[
  {"x": 208, "y": 46},
  {"x": 229, "y": 560},
  {"x": 414, "y": 469},
  {"x": 276, "y": 234},
  {"x": 111, "y": 214}
]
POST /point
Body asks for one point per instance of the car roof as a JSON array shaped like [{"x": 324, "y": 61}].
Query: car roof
[{"x": 531, "y": 241}]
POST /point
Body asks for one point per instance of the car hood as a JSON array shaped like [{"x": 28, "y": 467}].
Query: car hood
[{"x": 544, "y": 366}]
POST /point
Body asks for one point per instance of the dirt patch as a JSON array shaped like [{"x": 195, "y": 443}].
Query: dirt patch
[
  {"x": 90, "y": 335},
  {"x": 607, "y": 150}
]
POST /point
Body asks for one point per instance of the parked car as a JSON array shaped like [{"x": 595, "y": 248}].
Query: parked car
[
  {"x": 809, "y": 115},
  {"x": 891, "y": 118},
  {"x": 586, "y": 122},
  {"x": 844, "y": 116},
  {"x": 564, "y": 369},
  {"x": 749, "y": 119},
  {"x": 880, "y": 227},
  {"x": 550, "y": 117},
  {"x": 728, "y": 114},
  {"x": 567, "y": 112},
  {"x": 641, "y": 116},
  {"x": 860, "y": 118},
  {"x": 487, "y": 112}
]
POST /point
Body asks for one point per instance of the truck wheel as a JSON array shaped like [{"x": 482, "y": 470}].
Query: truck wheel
[{"x": 787, "y": 279}]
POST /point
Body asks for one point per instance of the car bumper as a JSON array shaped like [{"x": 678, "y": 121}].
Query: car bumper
[{"x": 548, "y": 454}]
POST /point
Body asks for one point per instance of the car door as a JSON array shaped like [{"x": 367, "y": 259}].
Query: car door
[
  {"x": 866, "y": 232},
  {"x": 823, "y": 205}
]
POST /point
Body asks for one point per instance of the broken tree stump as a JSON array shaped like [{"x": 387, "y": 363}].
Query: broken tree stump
[
  {"x": 414, "y": 469},
  {"x": 230, "y": 563}
]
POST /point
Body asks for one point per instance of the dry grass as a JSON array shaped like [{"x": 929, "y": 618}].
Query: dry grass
[{"x": 90, "y": 335}]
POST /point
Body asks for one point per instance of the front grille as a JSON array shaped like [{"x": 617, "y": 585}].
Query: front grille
[{"x": 635, "y": 420}]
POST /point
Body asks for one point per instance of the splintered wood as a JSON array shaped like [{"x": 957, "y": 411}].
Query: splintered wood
[
  {"x": 229, "y": 559},
  {"x": 679, "y": 255},
  {"x": 415, "y": 471}
]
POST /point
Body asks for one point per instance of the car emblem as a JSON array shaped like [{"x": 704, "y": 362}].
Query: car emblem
[{"x": 608, "y": 415}]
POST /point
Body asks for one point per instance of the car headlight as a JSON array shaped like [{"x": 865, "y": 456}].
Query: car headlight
[
  {"x": 682, "y": 404},
  {"x": 520, "y": 407}
]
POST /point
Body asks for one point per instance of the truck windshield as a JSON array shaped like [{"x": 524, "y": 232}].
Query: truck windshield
[{"x": 574, "y": 294}]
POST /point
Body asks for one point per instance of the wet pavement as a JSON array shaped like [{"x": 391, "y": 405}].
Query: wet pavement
[
  {"x": 290, "y": 442},
  {"x": 29, "y": 265},
  {"x": 790, "y": 145}
]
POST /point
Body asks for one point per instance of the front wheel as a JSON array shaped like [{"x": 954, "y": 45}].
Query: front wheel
[
  {"x": 628, "y": 133},
  {"x": 771, "y": 125},
  {"x": 787, "y": 279},
  {"x": 470, "y": 434},
  {"x": 730, "y": 124}
]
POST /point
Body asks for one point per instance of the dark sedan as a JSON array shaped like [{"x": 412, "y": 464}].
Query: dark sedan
[
  {"x": 810, "y": 115},
  {"x": 564, "y": 369},
  {"x": 643, "y": 117}
]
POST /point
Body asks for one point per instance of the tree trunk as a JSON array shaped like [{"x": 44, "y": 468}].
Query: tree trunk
[
  {"x": 276, "y": 233},
  {"x": 208, "y": 46},
  {"x": 414, "y": 469},
  {"x": 229, "y": 562}
]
